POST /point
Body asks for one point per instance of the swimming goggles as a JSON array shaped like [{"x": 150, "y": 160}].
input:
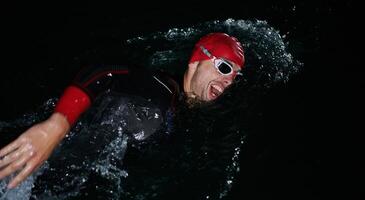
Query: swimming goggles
[{"x": 222, "y": 65}]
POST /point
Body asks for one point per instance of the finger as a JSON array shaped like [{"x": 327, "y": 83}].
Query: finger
[
  {"x": 14, "y": 155},
  {"x": 10, "y": 158},
  {"x": 9, "y": 148},
  {"x": 15, "y": 166},
  {"x": 28, "y": 169}
]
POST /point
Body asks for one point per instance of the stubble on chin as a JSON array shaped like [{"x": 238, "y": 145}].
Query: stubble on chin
[{"x": 194, "y": 101}]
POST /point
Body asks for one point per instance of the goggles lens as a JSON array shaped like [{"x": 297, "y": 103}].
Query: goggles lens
[{"x": 223, "y": 66}]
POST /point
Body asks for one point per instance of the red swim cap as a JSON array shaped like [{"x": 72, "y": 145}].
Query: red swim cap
[{"x": 219, "y": 45}]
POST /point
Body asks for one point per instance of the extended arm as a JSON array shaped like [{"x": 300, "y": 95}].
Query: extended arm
[{"x": 34, "y": 146}]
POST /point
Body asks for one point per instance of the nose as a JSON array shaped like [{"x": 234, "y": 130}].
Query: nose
[{"x": 227, "y": 80}]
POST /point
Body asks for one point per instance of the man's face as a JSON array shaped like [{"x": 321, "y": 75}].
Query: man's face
[{"x": 206, "y": 83}]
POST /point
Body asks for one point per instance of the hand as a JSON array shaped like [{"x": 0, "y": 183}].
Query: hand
[{"x": 32, "y": 148}]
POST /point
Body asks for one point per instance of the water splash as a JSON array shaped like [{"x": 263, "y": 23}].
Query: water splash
[
  {"x": 266, "y": 52},
  {"x": 268, "y": 62},
  {"x": 103, "y": 157},
  {"x": 24, "y": 190}
]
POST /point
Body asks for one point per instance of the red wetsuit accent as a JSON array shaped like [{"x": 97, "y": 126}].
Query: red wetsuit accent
[
  {"x": 78, "y": 97},
  {"x": 73, "y": 103},
  {"x": 96, "y": 80}
]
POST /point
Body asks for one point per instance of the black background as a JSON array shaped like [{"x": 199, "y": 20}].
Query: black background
[{"x": 314, "y": 154}]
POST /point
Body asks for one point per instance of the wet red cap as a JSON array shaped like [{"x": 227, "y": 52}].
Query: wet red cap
[{"x": 219, "y": 45}]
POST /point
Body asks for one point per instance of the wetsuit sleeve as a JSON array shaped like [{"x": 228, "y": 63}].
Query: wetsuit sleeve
[{"x": 90, "y": 82}]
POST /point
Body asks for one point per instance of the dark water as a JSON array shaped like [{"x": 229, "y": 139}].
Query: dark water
[{"x": 291, "y": 143}]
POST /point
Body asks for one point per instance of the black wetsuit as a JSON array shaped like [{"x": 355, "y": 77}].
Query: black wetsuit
[{"x": 154, "y": 90}]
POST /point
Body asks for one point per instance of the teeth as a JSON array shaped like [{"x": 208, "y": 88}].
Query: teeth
[{"x": 218, "y": 88}]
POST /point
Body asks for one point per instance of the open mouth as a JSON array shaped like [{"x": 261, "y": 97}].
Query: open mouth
[{"x": 214, "y": 91}]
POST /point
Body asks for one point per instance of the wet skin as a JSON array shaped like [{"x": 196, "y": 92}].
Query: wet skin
[{"x": 205, "y": 82}]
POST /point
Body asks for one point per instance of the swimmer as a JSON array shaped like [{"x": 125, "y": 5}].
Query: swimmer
[{"x": 216, "y": 60}]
